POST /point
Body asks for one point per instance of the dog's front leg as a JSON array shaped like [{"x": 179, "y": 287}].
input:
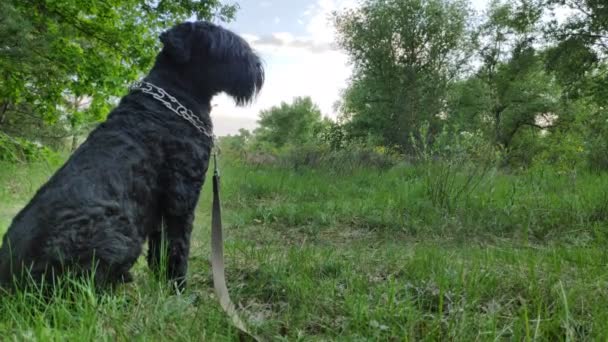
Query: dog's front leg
[
  {"x": 178, "y": 231},
  {"x": 169, "y": 248},
  {"x": 178, "y": 208},
  {"x": 157, "y": 243}
]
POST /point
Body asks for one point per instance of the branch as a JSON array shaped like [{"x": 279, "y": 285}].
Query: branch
[
  {"x": 28, "y": 114},
  {"x": 581, "y": 34},
  {"x": 5, "y": 107},
  {"x": 80, "y": 26},
  {"x": 577, "y": 5},
  {"x": 537, "y": 126}
]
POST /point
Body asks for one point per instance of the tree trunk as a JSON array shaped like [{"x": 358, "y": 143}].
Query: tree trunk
[
  {"x": 74, "y": 142},
  {"x": 3, "y": 110},
  {"x": 77, "y": 102},
  {"x": 498, "y": 136}
]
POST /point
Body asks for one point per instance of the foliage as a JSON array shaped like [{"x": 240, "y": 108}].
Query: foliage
[
  {"x": 290, "y": 123},
  {"x": 455, "y": 162},
  {"x": 528, "y": 78},
  {"x": 236, "y": 144},
  {"x": 65, "y": 62},
  {"x": 508, "y": 101},
  {"x": 582, "y": 39},
  {"x": 342, "y": 161},
  {"x": 334, "y": 135},
  {"x": 578, "y": 59},
  {"x": 521, "y": 93},
  {"x": 17, "y": 150},
  {"x": 528, "y": 94},
  {"x": 404, "y": 54}
]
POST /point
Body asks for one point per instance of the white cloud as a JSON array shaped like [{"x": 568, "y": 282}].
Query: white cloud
[
  {"x": 292, "y": 72},
  {"x": 286, "y": 39},
  {"x": 320, "y": 26},
  {"x": 224, "y": 124},
  {"x": 309, "y": 10},
  {"x": 479, "y": 5},
  {"x": 250, "y": 38},
  {"x": 284, "y": 36},
  {"x": 308, "y": 65},
  {"x": 272, "y": 40}
]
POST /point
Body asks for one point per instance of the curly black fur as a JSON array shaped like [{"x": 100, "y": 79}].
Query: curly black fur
[{"x": 142, "y": 168}]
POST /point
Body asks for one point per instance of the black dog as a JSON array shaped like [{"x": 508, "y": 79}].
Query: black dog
[{"x": 139, "y": 174}]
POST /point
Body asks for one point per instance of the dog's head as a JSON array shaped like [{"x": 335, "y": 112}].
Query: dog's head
[{"x": 213, "y": 59}]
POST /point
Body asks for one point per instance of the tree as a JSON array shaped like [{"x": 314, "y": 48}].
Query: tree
[
  {"x": 405, "y": 54},
  {"x": 511, "y": 90},
  {"x": 289, "y": 123},
  {"x": 54, "y": 52},
  {"x": 236, "y": 144},
  {"x": 578, "y": 60},
  {"x": 579, "y": 56}
]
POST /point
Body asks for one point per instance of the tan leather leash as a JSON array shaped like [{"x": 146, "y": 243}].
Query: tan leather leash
[
  {"x": 217, "y": 259},
  {"x": 217, "y": 243}
]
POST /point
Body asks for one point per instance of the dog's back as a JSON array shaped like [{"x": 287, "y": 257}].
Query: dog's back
[{"x": 95, "y": 203}]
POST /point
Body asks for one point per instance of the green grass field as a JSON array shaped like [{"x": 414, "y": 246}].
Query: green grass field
[{"x": 411, "y": 253}]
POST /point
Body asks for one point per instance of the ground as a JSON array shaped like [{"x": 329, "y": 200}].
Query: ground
[{"x": 314, "y": 254}]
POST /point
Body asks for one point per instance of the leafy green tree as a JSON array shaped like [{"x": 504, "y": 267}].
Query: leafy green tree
[
  {"x": 236, "y": 144},
  {"x": 579, "y": 60},
  {"x": 511, "y": 92},
  {"x": 290, "y": 123},
  {"x": 581, "y": 48},
  {"x": 58, "y": 53},
  {"x": 405, "y": 54}
]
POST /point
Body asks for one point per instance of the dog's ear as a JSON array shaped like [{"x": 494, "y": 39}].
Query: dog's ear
[{"x": 178, "y": 42}]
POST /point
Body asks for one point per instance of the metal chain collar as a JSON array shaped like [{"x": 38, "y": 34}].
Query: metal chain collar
[{"x": 173, "y": 104}]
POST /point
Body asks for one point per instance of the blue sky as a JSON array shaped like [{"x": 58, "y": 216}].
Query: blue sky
[
  {"x": 267, "y": 16},
  {"x": 295, "y": 39}
]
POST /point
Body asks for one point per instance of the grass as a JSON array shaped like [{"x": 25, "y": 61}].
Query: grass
[{"x": 402, "y": 254}]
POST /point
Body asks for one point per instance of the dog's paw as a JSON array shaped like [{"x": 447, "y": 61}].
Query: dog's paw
[{"x": 126, "y": 278}]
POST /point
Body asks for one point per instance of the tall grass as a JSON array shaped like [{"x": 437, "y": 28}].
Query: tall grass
[
  {"x": 365, "y": 253},
  {"x": 539, "y": 205}
]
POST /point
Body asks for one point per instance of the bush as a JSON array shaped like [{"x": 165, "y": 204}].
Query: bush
[
  {"x": 454, "y": 163},
  {"x": 565, "y": 151},
  {"x": 323, "y": 157},
  {"x": 597, "y": 155},
  {"x": 20, "y": 150},
  {"x": 342, "y": 161},
  {"x": 235, "y": 145},
  {"x": 293, "y": 123}
]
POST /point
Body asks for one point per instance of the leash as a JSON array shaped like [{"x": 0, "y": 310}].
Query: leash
[
  {"x": 217, "y": 241},
  {"x": 217, "y": 259}
]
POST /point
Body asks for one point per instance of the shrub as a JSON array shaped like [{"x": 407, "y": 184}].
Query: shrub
[
  {"x": 454, "y": 163},
  {"x": 343, "y": 160},
  {"x": 21, "y": 150}
]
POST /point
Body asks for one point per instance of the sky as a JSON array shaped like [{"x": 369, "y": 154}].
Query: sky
[{"x": 295, "y": 38}]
